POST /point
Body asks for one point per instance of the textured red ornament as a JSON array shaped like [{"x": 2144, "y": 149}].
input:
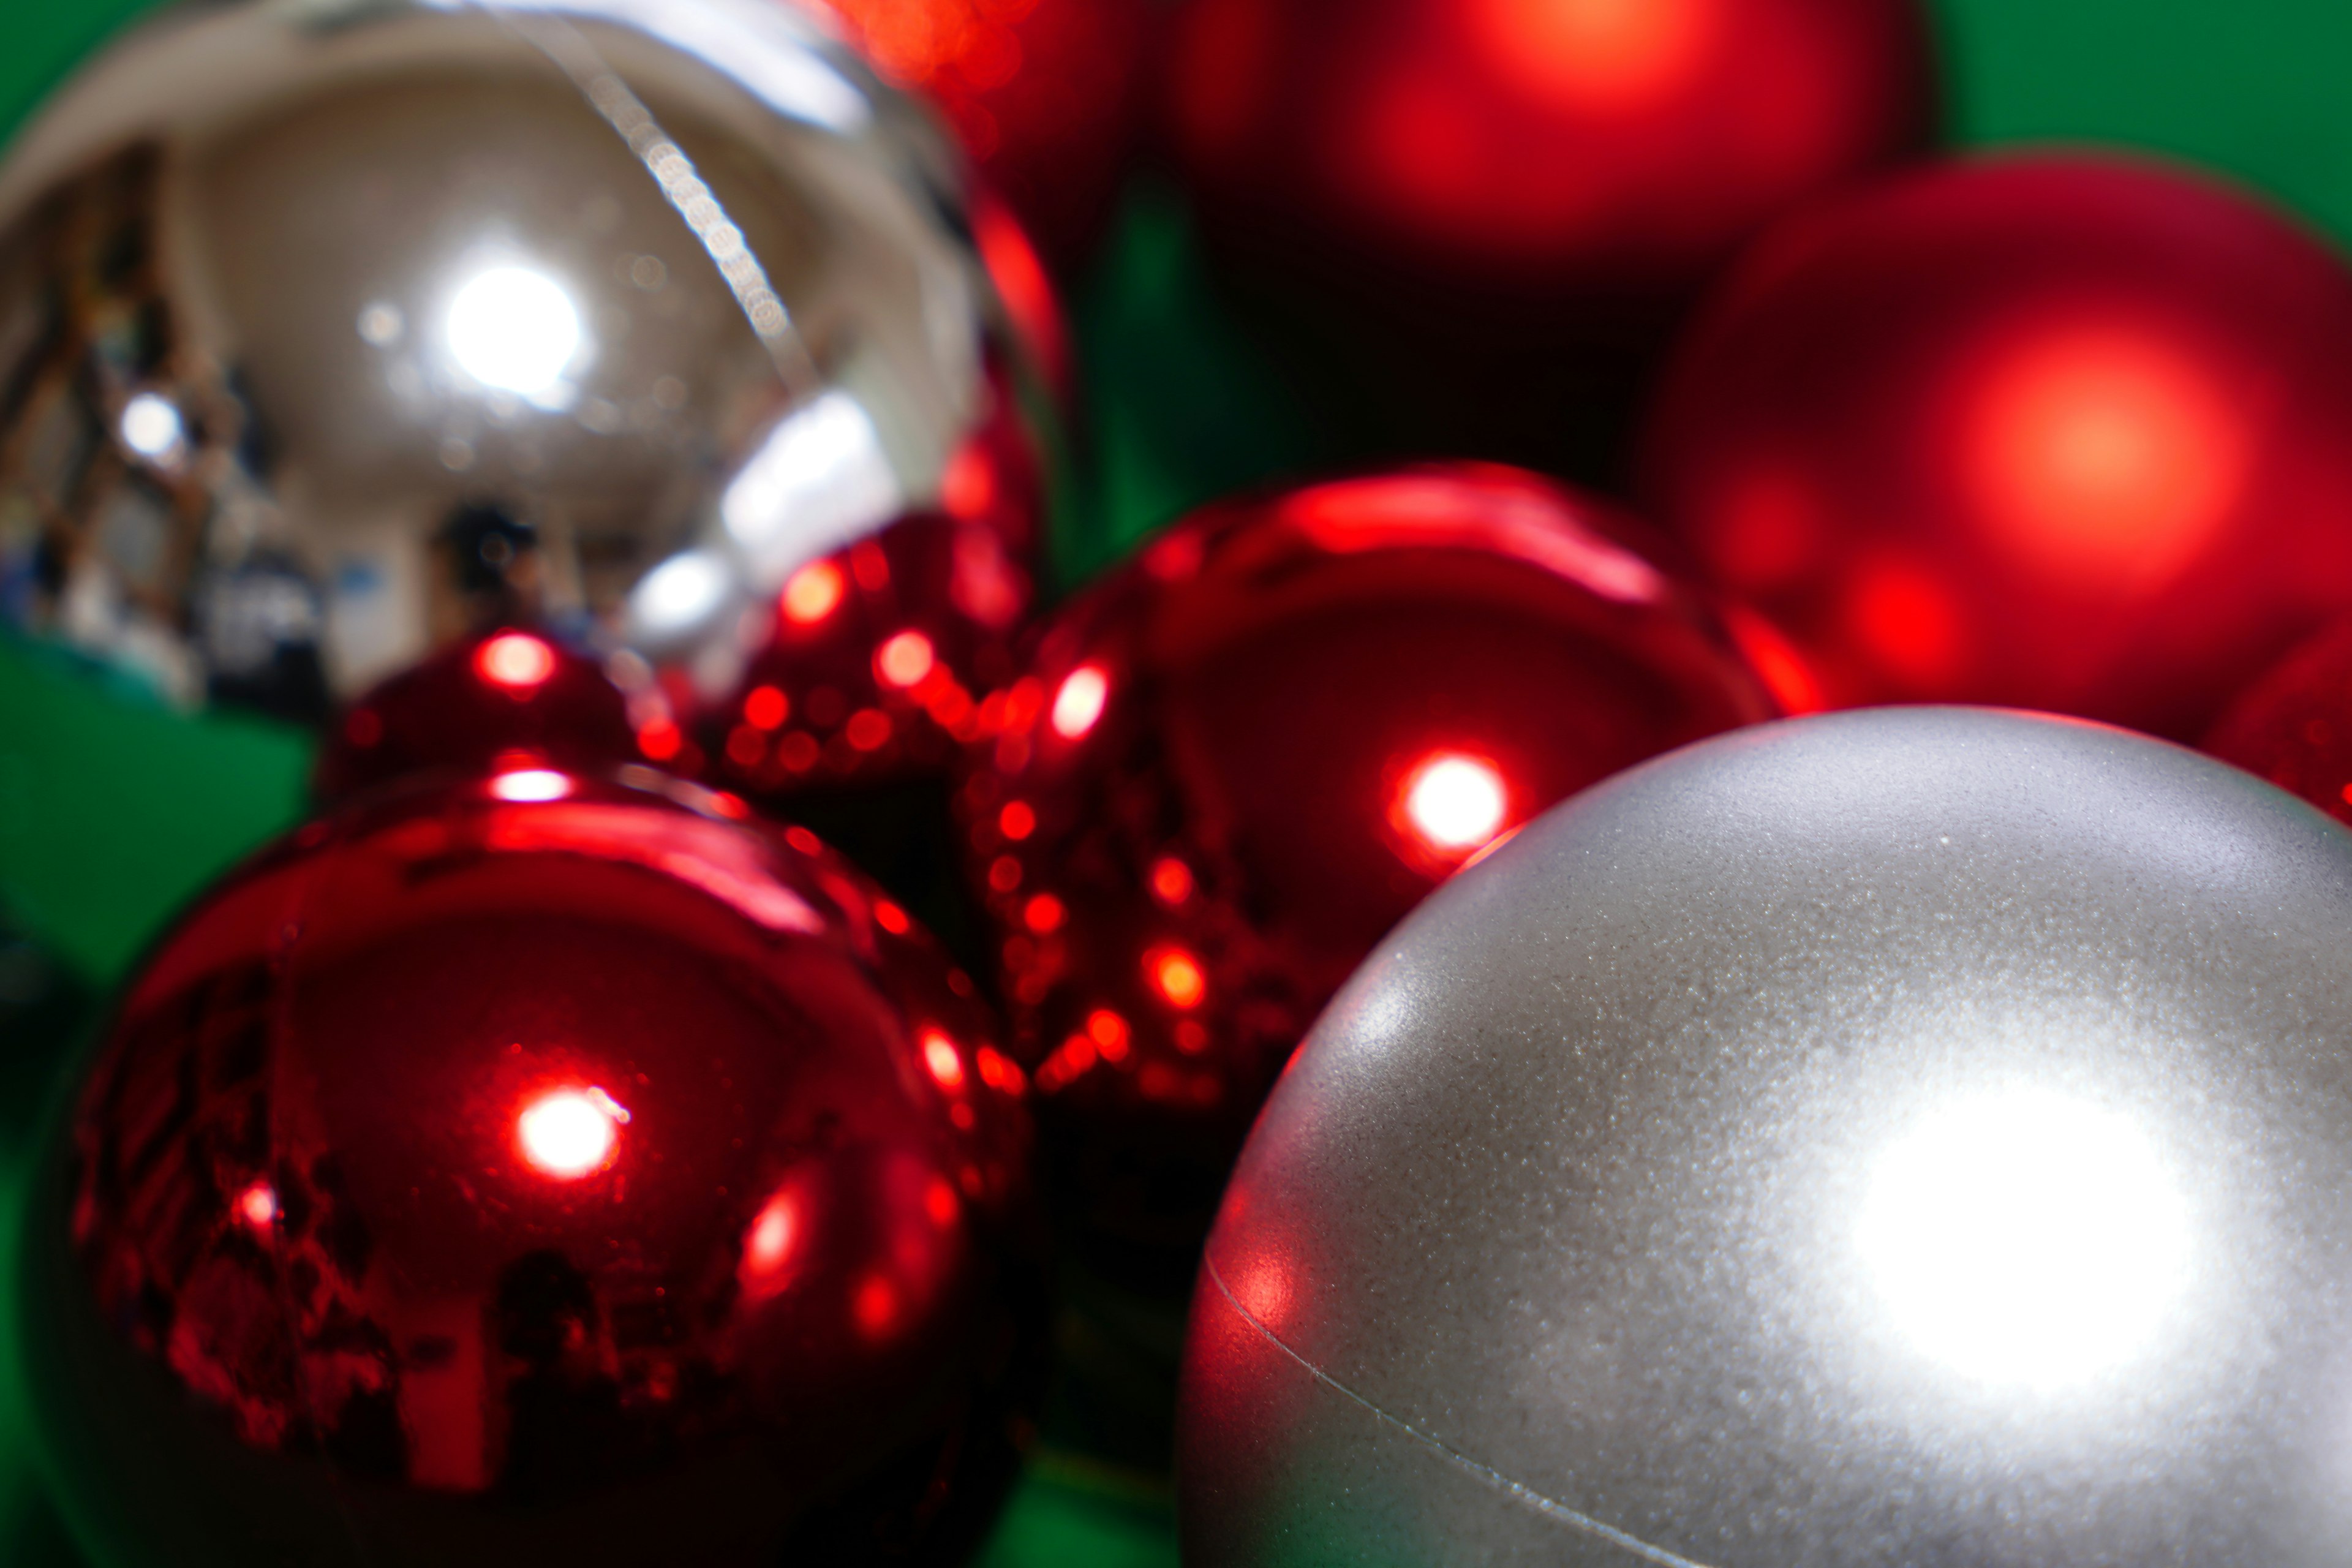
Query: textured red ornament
[
  {"x": 2057, "y": 433},
  {"x": 1235, "y": 763},
  {"x": 1568, "y": 164},
  {"x": 540, "y": 1170},
  {"x": 1044, "y": 94},
  {"x": 878, "y": 651},
  {"x": 512, "y": 692},
  {"x": 2293, "y": 725}
]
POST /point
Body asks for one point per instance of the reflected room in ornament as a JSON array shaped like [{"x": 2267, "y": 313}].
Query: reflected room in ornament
[
  {"x": 538, "y": 1168},
  {"x": 355, "y": 330}
]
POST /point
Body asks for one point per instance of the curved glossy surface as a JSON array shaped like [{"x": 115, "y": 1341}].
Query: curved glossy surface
[
  {"x": 1233, "y": 766},
  {"x": 1044, "y": 95},
  {"x": 1916, "y": 1136},
  {"x": 343, "y": 330},
  {"x": 1561, "y": 166},
  {"x": 507, "y": 695},
  {"x": 2054, "y": 432},
  {"x": 537, "y": 1169}
]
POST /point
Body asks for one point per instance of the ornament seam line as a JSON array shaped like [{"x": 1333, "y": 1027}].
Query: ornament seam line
[{"x": 1551, "y": 1507}]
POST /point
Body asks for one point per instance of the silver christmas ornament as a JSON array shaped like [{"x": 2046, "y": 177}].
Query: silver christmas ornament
[
  {"x": 331, "y": 330},
  {"x": 1919, "y": 1136}
]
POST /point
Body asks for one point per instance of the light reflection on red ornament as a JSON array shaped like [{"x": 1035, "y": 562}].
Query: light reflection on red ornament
[
  {"x": 2041, "y": 431},
  {"x": 568, "y": 1133},
  {"x": 516, "y": 661},
  {"x": 258, "y": 1206},
  {"x": 527, "y": 783},
  {"x": 813, "y": 592},
  {"x": 1452, "y": 804},
  {"x": 1235, "y": 763},
  {"x": 940, "y": 1057}
]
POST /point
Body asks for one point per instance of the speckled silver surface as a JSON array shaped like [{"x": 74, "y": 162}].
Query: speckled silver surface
[{"x": 1914, "y": 1137}]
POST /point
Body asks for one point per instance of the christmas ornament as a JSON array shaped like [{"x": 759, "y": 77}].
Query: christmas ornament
[
  {"x": 2052, "y": 432},
  {"x": 1914, "y": 1136},
  {"x": 538, "y": 1169},
  {"x": 878, "y": 654},
  {"x": 1230, "y": 767},
  {"x": 1044, "y": 95},
  {"x": 354, "y": 330},
  {"x": 1508, "y": 167},
  {"x": 466, "y": 708},
  {"x": 2293, "y": 726}
]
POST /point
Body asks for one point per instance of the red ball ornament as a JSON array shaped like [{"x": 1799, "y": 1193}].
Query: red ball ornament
[
  {"x": 538, "y": 1170},
  {"x": 1235, "y": 763},
  {"x": 2293, "y": 725},
  {"x": 2065, "y": 433},
  {"x": 875, "y": 654},
  {"x": 1570, "y": 165},
  {"x": 1045, "y": 95},
  {"x": 466, "y": 707}
]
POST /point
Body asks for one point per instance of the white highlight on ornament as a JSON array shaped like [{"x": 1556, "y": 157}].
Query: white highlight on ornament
[
  {"x": 819, "y": 481},
  {"x": 514, "y": 328},
  {"x": 531, "y": 785},
  {"x": 151, "y": 427},
  {"x": 2026, "y": 1238},
  {"x": 570, "y": 1132},
  {"x": 1079, "y": 702},
  {"x": 679, "y": 595},
  {"x": 1454, "y": 801}
]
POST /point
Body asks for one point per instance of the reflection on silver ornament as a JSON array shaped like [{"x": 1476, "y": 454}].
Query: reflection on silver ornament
[
  {"x": 330, "y": 333},
  {"x": 1915, "y": 1135}
]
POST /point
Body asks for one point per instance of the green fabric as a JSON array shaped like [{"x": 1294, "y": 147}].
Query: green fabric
[{"x": 113, "y": 810}]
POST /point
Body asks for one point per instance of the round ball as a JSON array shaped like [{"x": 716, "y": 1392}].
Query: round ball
[
  {"x": 537, "y": 1169},
  {"x": 2061, "y": 433},
  {"x": 1911, "y": 1136},
  {"x": 468, "y": 705},
  {"x": 353, "y": 329},
  {"x": 1233, "y": 764},
  {"x": 1566, "y": 167}
]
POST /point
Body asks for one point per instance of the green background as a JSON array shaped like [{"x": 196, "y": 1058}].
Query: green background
[{"x": 112, "y": 811}]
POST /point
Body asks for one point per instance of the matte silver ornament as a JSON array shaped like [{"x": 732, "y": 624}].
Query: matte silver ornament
[
  {"x": 1919, "y": 1136},
  {"x": 330, "y": 330}
]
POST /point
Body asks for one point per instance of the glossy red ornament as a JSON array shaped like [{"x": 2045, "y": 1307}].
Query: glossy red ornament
[
  {"x": 538, "y": 1170},
  {"x": 1045, "y": 95},
  {"x": 875, "y": 654},
  {"x": 2293, "y": 725},
  {"x": 2063, "y": 433},
  {"x": 1511, "y": 167},
  {"x": 1232, "y": 764},
  {"x": 462, "y": 709}
]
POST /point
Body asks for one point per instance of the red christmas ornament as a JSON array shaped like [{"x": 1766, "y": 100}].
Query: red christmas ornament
[
  {"x": 2293, "y": 726},
  {"x": 538, "y": 1170},
  {"x": 1574, "y": 165},
  {"x": 1233, "y": 764},
  {"x": 1044, "y": 94},
  {"x": 2052, "y": 432},
  {"x": 875, "y": 652},
  {"x": 464, "y": 708}
]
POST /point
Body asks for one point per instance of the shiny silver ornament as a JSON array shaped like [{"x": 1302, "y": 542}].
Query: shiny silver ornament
[
  {"x": 330, "y": 330},
  {"x": 1920, "y": 1136}
]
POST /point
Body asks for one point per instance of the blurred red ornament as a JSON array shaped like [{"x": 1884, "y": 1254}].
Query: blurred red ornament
[
  {"x": 465, "y": 707},
  {"x": 2052, "y": 432},
  {"x": 1563, "y": 164},
  {"x": 539, "y": 1170},
  {"x": 1230, "y": 767},
  {"x": 2293, "y": 725},
  {"x": 1044, "y": 94},
  {"x": 876, "y": 652}
]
